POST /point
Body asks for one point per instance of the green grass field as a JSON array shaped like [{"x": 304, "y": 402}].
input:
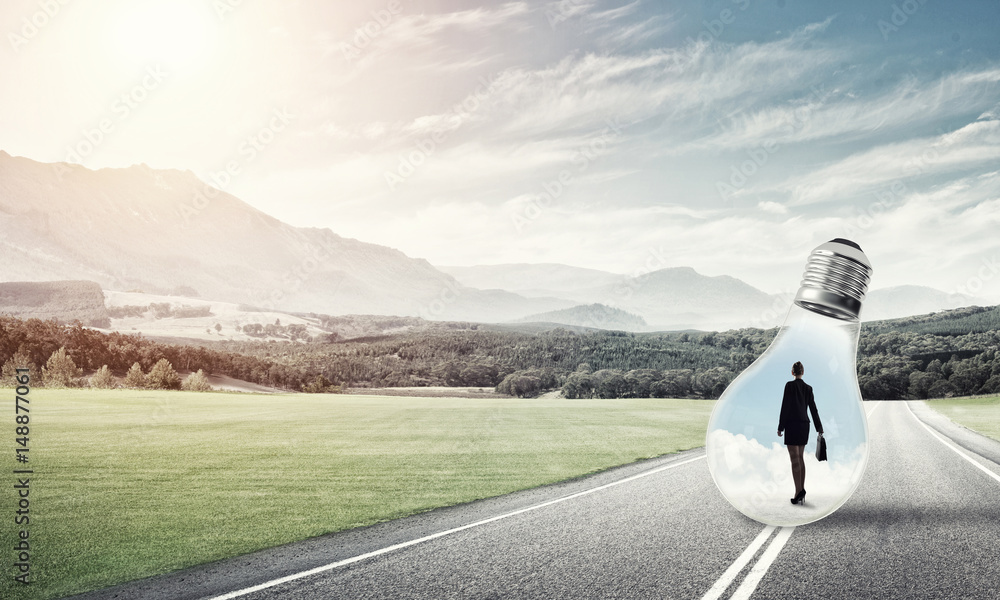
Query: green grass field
[
  {"x": 980, "y": 414},
  {"x": 133, "y": 483}
]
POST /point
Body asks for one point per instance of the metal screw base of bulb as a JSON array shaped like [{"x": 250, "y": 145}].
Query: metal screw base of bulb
[{"x": 836, "y": 280}]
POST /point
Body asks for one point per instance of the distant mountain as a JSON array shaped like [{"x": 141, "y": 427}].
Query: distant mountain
[
  {"x": 597, "y": 316},
  {"x": 64, "y": 301},
  {"x": 680, "y": 298},
  {"x": 165, "y": 231},
  {"x": 907, "y": 300},
  {"x": 673, "y": 298},
  {"x": 533, "y": 280}
]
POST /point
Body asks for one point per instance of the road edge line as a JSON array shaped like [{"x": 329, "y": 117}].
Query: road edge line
[
  {"x": 950, "y": 445},
  {"x": 878, "y": 403},
  {"x": 433, "y": 536}
]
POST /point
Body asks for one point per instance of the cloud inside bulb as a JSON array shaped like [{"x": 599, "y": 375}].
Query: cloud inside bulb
[{"x": 758, "y": 479}]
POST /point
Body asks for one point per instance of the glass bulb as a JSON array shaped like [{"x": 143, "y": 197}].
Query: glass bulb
[{"x": 749, "y": 462}]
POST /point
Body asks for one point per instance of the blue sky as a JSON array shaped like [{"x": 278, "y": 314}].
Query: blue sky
[{"x": 730, "y": 136}]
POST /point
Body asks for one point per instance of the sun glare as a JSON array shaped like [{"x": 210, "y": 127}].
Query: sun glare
[{"x": 172, "y": 32}]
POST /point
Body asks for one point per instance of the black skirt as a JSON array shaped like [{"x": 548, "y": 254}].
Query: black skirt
[{"x": 797, "y": 433}]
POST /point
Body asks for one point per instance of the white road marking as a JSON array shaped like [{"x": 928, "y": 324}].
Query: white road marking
[
  {"x": 720, "y": 586},
  {"x": 388, "y": 549},
  {"x": 874, "y": 408},
  {"x": 757, "y": 572},
  {"x": 749, "y": 584},
  {"x": 949, "y": 444}
]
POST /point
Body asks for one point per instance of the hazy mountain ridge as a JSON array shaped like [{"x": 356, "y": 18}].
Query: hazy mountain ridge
[
  {"x": 159, "y": 230},
  {"x": 166, "y": 231},
  {"x": 596, "y": 316},
  {"x": 140, "y": 228},
  {"x": 534, "y": 279},
  {"x": 680, "y": 297},
  {"x": 908, "y": 300},
  {"x": 670, "y": 298}
]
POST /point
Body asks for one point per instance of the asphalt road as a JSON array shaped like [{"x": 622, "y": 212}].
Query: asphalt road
[{"x": 924, "y": 523}]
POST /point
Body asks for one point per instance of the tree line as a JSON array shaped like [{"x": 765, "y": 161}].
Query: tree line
[
  {"x": 948, "y": 353},
  {"x": 79, "y": 353}
]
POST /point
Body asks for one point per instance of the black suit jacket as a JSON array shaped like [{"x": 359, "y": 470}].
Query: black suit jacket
[{"x": 798, "y": 396}]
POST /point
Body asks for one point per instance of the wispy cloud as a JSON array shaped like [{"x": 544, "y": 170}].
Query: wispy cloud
[
  {"x": 637, "y": 33},
  {"x": 427, "y": 35},
  {"x": 677, "y": 83},
  {"x": 973, "y": 146},
  {"x": 831, "y": 109},
  {"x": 614, "y": 14},
  {"x": 773, "y": 207}
]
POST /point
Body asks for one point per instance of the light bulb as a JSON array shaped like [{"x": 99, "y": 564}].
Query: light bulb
[{"x": 749, "y": 462}]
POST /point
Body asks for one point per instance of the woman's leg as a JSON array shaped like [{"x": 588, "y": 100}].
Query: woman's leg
[
  {"x": 793, "y": 456},
  {"x": 802, "y": 467}
]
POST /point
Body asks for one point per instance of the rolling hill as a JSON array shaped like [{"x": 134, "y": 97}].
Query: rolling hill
[
  {"x": 597, "y": 316},
  {"x": 671, "y": 298},
  {"x": 64, "y": 301}
]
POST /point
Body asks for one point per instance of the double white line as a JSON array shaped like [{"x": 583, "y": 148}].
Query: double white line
[{"x": 757, "y": 572}]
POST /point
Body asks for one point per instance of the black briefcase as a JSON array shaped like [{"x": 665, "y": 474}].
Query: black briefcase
[{"x": 821, "y": 448}]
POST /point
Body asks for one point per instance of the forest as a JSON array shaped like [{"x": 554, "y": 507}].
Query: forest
[{"x": 943, "y": 354}]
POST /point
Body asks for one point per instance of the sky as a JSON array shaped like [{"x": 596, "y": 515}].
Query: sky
[{"x": 732, "y": 136}]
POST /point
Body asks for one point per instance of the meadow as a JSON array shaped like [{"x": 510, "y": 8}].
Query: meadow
[
  {"x": 132, "y": 483},
  {"x": 981, "y": 414}
]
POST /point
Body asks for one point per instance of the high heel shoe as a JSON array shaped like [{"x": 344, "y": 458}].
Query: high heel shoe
[{"x": 799, "y": 497}]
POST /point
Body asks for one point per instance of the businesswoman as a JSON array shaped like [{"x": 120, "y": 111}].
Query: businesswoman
[{"x": 794, "y": 422}]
